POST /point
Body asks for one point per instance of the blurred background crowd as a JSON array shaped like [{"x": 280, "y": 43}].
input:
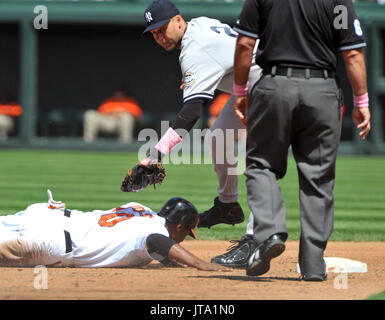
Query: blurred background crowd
[{"x": 91, "y": 76}]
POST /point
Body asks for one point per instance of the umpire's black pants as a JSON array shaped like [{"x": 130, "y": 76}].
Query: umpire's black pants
[{"x": 306, "y": 115}]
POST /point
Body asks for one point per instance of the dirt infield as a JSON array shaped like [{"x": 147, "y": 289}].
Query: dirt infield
[{"x": 155, "y": 282}]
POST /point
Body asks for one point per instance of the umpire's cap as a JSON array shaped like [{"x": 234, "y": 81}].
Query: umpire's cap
[
  {"x": 159, "y": 13},
  {"x": 177, "y": 210}
]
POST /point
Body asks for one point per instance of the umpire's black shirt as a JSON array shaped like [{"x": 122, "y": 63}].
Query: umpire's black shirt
[{"x": 301, "y": 33}]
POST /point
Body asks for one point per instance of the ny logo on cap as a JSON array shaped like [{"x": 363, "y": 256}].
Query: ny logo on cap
[{"x": 148, "y": 16}]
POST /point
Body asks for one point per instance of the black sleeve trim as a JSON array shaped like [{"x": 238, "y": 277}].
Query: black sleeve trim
[
  {"x": 189, "y": 114},
  {"x": 185, "y": 119},
  {"x": 158, "y": 246},
  {"x": 353, "y": 46},
  {"x": 246, "y": 33}
]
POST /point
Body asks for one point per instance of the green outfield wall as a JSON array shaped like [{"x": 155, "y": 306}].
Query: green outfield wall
[{"x": 90, "y": 48}]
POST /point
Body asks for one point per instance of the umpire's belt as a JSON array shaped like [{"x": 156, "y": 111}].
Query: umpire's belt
[
  {"x": 305, "y": 73},
  {"x": 67, "y": 235}
]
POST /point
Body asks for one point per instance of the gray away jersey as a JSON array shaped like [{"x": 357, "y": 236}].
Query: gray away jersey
[{"x": 207, "y": 58}]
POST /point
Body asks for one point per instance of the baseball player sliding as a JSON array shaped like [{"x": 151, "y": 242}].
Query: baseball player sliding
[
  {"x": 131, "y": 235},
  {"x": 207, "y": 55}
]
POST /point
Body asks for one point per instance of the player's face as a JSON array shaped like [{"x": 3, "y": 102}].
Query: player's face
[
  {"x": 178, "y": 232},
  {"x": 169, "y": 35}
]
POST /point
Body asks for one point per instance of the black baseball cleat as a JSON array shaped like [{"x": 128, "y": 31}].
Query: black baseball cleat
[
  {"x": 238, "y": 254},
  {"x": 229, "y": 213},
  {"x": 314, "y": 277},
  {"x": 259, "y": 261}
]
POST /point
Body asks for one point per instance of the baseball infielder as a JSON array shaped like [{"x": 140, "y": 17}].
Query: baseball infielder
[
  {"x": 206, "y": 59},
  {"x": 131, "y": 235}
]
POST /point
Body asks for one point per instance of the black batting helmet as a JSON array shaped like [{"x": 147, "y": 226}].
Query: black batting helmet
[{"x": 177, "y": 210}]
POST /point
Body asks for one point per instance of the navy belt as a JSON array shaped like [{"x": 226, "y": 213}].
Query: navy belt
[
  {"x": 67, "y": 235},
  {"x": 67, "y": 213},
  {"x": 305, "y": 73}
]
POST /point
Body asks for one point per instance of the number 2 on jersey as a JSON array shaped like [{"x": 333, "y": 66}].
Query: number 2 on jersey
[{"x": 227, "y": 30}]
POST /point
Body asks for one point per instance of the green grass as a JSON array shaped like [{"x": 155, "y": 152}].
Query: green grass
[
  {"x": 91, "y": 180},
  {"x": 380, "y": 296}
]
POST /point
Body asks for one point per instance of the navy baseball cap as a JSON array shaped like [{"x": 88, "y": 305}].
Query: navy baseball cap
[{"x": 159, "y": 13}]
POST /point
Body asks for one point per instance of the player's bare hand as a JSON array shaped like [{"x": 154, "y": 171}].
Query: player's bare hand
[
  {"x": 208, "y": 266},
  {"x": 361, "y": 118},
  {"x": 172, "y": 264},
  {"x": 179, "y": 254},
  {"x": 181, "y": 84},
  {"x": 222, "y": 268},
  {"x": 241, "y": 104}
]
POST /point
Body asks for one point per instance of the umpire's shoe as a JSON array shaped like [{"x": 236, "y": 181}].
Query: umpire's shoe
[
  {"x": 259, "y": 261},
  {"x": 230, "y": 213},
  {"x": 314, "y": 277},
  {"x": 238, "y": 254}
]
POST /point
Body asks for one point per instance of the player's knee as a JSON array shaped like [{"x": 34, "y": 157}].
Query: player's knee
[{"x": 15, "y": 252}]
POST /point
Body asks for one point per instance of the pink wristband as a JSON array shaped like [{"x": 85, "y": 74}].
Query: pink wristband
[
  {"x": 241, "y": 90},
  {"x": 361, "y": 101},
  {"x": 168, "y": 141}
]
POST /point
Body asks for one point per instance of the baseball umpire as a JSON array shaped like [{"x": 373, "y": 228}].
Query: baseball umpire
[
  {"x": 206, "y": 59},
  {"x": 131, "y": 235},
  {"x": 297, "y": 103}
]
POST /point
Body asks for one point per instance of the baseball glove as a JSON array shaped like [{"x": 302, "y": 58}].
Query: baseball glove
[{"x": 143, "y": 175}]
